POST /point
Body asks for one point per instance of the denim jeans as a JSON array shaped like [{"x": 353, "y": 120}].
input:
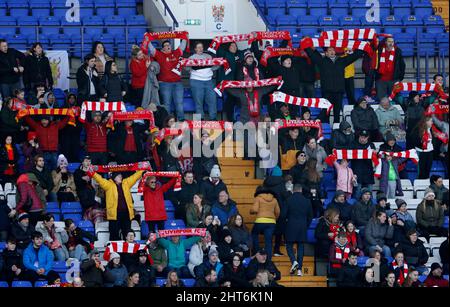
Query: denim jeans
[
  {"x": 50, "y": 158},
  {"x": 267, "y": 229},
  {"x": 203, "y": 91},
  {"x": 300, "y": 253},
  {"x": 78, "y": 253},
  {"x": 60, "y": 254},
  {"x": 173, "y": 91},
  {"x": 386, "y": 251}
]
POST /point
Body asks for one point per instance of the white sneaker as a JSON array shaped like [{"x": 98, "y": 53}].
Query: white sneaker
[
  {"x": 294, "y": 267},
  {"x": 299, "y": 273}
]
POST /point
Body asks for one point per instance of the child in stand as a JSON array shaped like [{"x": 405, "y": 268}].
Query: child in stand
[{"x": 345, "y": 178}]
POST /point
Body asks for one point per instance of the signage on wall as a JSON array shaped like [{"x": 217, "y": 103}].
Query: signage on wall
[{"x": 219, "y": 17}]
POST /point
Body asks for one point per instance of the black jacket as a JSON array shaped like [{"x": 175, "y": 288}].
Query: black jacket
[
  {"x": 37, "y": 70},
  {"x": 349, "y": 276},
  {"x": 211, "y": 191},
  {"x": 298, "y": 214},
  {"x": 291, "y": 76},
  {"x": 362, "y": 212},
  {"x": 364, "y": 119},
  {"x": 5, "y": 221},
  {"x": 363, "y": 168},
  {"x": 399, "y": 64},
  {"x": 121, "y": 136},
  {"x": 238, "y": 279},
  {"x": 296, "y": 172},
  {"x": 113, "y": 86},
  {"x": 332, "y": 73},
  {"x": 254, "y": 266},
  {"x": 8, "y": 123},
  {"x": 45, "y": 178},
  {"x": 226, "y": 252},
  {"x": 307, "y": 72},
  {"x": 443, "y": 251},
  {"x": 339, "y": 139},
  {"x": 415, "y": 254},
  {"x": 345, "y": 209},
  {"x": 11, "y": 258},
  {"x": 12, "y": 58},
  {"x": 93, "y": 276},
  {"x": 22, "y": 236},
  {"x": 147, "y": 277},
  {"x": 251, "y": 72},
  {"x": 277, "y": 187},
  {"x": 84, "y": 85}
]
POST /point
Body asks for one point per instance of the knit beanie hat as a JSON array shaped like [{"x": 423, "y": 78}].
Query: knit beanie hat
[
  {"x": 381, "y": 196},
  {"x": 114, "y": 255},
  {"x": 61, "y": 159},
  {"x": 215, "y": 172},
  {"x": 400, "y": 202},
  {"x": 31, "y": 136},
  {"x": 23, "y": 216},
  {"x": 428, "y": 191}
]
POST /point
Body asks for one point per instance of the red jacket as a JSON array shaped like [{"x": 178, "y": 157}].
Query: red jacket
[
  {"x": 27, "y": 191},
  {"x": 432, "y": 281},
  {"x": 96, "y": 137},
  {"x": 138, "y": 73},
  {"x": 47, "y": 136},
  {"x": 154, "y": 201}
]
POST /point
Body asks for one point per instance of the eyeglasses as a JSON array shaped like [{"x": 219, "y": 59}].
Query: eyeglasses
[{"x": 302, "y": 155}]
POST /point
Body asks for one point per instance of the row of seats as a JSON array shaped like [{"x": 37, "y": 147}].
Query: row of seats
[{"x": 58, "y": 8}]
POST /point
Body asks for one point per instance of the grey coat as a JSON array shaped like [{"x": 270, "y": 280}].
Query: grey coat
[
  {"x": 361, "y": 213},
  {"x": 151, "y": 89},
  {"x": 376, "y": 233}
]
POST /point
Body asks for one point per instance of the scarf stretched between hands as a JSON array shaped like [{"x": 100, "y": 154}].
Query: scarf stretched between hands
[
  {"x": 436, "y": 109},
  {"x": 132, "y": 167},
  {"x": 315, "y": 124},
  {"x": 271, "y": 52},
  {"x": 177, "y": 175},
  {"x": 166, "y": 132},
  {"x": 350, "y": 34},
  {"x": 199, "y": 232},
  {"x": 136, "y": 115},
  {"x": 63, "y": 112},
  {"x": 352, "y": 154},
  {"x": 273, "y": 35},
  {"x": 125, "y": 248},
  {"x": 101, "y": 106},
  {"x": 417, "y": 86},
  {"x": 219, "y": 40},
  {"x": 210, "y": 125},
  {"x": 407, "y": 154},
  {"x": 320, "y": 103},
  {"x": 201, "y": 63},
  {"x": 149, "y": 37},
  {"x": 349, "y": 44},
  {"x": 247, "y": 84}
]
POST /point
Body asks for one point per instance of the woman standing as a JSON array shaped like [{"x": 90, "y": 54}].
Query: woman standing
[
  {"x": 113, "y": 85},
  {"x": 424, "y": 146},
  {"x": 138, "y": 66},
  {"x": 101, "y": 57},
  {"x": 327, "y": 230},
  {"x": 37, "y": 69}
]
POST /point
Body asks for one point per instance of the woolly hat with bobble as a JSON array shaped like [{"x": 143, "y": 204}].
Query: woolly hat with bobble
[
  {"x": 62, "y": 159},
  {"x": 215, "y": 172}
]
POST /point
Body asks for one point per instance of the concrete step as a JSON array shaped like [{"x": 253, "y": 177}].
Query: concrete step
[{"x": 304, "y": 281}]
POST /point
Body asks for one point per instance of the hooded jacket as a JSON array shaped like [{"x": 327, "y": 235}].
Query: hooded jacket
[
  {"x": 341, "y": 140},
  {"x": 28, "y": 193},
  {"x": 265, "y": 207},
  {"x": 364, "y": 119}
]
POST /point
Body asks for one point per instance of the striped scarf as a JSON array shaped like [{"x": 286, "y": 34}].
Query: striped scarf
[
  {"x": 352, "y": 154},
  {"x": 349, "y": 44},
  {"x": 401, "y": 277},
  {"x": 248, "y": 84},
  {"x": 202, "y": 63},
  {"x": 124, "y": 248},
  {"x": 350, "y": 34},
  {"x": 219, "y": 40},
  {"x": 101, "y": 106},
  {"x": 61, "y": 112},
  {"x": 320, "y": 103},
  {"x": 341, "y": 253},
  {"x": 386, "y": 59},
  {"x": 408, "y": 154},
  {"x": 177, "y": 175},
  {"x": 132, "y": 167},
  {"x": 419, "y": 87}
]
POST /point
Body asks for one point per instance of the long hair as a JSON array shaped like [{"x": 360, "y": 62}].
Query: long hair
[
  {"x": 94, "y": 47},
  {"x": 330, "y": 214},
  {"x": 232, "y": 222},
  {"x": 421, "y": 126},
  {"x": 31, "y": 50},
  {"x": 169, "y": 282},
  {"x": 311, "y": 170}
]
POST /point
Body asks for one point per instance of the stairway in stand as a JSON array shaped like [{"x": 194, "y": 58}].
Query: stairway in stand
[{"x": 239, "y": 175}]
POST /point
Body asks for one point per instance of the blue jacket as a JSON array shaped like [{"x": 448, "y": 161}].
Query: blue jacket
[
  {"x": 176, "y": 252},
  {"x": 224, "y": 213},
  {"x": 44, "y": 257}
]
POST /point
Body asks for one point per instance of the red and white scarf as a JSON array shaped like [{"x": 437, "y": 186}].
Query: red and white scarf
[
  {"x": 219, "y": 40},
  {"x": 320, "y": 103},
  {"x": 401, "y": 277},
  {"x": 352, "y": 154},
  {"x": 124, "y": 248},
  {"x": 149, "y": 37},
  {"x": 71, "y": 113},
  {"x": 132, "y": 167},
  {"x": 177, "y": 175},
  {"x": 210, "y": 125},
  {"x": 436, "y": 109},
  {"x": 247, "y": 84},
  {"x": 135, "y": 115},
  {"x": 350, "y": 34},
  {"x": 202, "y": 63},
  {"x": 271, "y": 52},
  {"x": 199, "y": 232},
  {"x": 341, "y": 255},
  {"x": 166, "y": 132},
  {"x": 349, "y": 44},
  {"x": 100, "y": 106},
  {"x": 439, "y": 134},
  {"x": 314, "y": 124},
  {"x": 407, "y": 154},
  {"x": 417, "y": 86},
  {"x": 272, "y": 35},
  {"x": 386, "y": 60}
]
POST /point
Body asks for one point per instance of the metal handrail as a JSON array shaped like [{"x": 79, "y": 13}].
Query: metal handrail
[{"x": 168, "y": 10}]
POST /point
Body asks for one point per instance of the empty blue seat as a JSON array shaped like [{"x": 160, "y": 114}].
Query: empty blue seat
[
  {"x": 75, "y": 217},
  {"x": 174, "y": 224},
  {"x": 18, "y": 41},
  {"x": 362, "y": 261},
  {"x": 126, "y": 7},
  {"x": 87, "y": 226},
  {"x": 86, "y": 8},
  {"x": 18, "y": 8},
  {"x": 170, "y": 215},
  {"x": 188, "y": 282},
  {"x": 4, "y": 284},
  {"x": 169, "y": 206},
  {"x": 28, "y": 24},
  {"x": 2, "y": 246},
  {"x": 50, "y": 25},
  {"x": 59, "y": 8},
  {"x": 72, "y": 29},
  {"x": 422, "y": 8},
  {"x": 3, "y": 8},
  {"x": 8, "y": 25},
  {"x": 392, "y": 24},
  {"x": 297, "y": 9},
  {"x": 314, "y": 223},
  {"x": 339, "y": 8},
  {"x": 372, "y": 25},
  {"x": 61, "y": 41},
  {"x": 445, "y": 222},
  {"x": 59, "y": 266},
  {"x": 72, "y": 167},
  {"x": 412, "y": 24},
  {"x": 160, "y": 281},
  {"x": 401, "y": 8},
  {"x": 329, "y": 23},
  {"x": 427, "y": 45},
  {"x": 114, "y": 25},
  {"x": 40, "y": 8},
  {"x": 434, "y": 24},
  {"x": 317, "y": 7},
  {"x": 21, "y": 284},
  {"x": 104, "y": 7},
  {"x": 311, "y": 25},
  {"x": 95, "y": 25},
  {"x": 310, "y": 236},
  {"x": 52, "y": 205},
  {"x": 40, "y": 283},
  {"x": 246, "y": 261},
  {"x": 71, "y": 207}
]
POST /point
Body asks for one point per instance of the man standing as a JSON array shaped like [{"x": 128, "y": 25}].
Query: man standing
[
  {"x": 96, "y": 139},
  {"x": 10, "y": 69},
  {"x": 363, "y": 168},
  {"x": 390, "y": 68}
]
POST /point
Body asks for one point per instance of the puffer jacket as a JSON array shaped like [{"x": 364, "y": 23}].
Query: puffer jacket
[
  {"x": 364, "y": 119},
  {"x": 339, "y": 139},
  {"x": 27, "y": 191},
  {"x": 265, "y": 206},
  {"x": 430, "y": 215},
  {"x": 377, "y": 233}
]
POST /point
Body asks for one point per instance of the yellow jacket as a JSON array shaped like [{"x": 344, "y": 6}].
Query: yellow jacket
[
  {"x": 350, "y": 69},
  {"x": 110, "y": 189}
]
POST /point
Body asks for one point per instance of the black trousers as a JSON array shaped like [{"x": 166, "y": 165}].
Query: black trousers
[
  {"x": 350, "y": 90},
  {"x": 306, "y": 90},
  {"x": 123, "y": 223},
  {"x": 432, "y": 230},
  {"x": 229, "y": 103},
  {"x": 152, "y": 224},
  {"x": 32, "y": 276},
  {"x": 336, "y": 101},
  {"x": 98, "y": 158},
  {"x": 425, "y": 163}
]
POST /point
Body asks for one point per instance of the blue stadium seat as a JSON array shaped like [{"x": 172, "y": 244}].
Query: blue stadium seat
[
  {"x": 310, "y": 236},
  {"x": 422, "y": 278},
  {"x": 160, "y": 281},
  {"x": 373, "y": 25},
  {"x": 40, "y": 283},
  {"x": 50, "y": 25},
  {"x": 188, "y": 282},
  {"x": 86, "y": 8},
  {"x": 126, "y": 7},
  {"x": 72, "y": 29},
  {"x": 169, "y": 206},
  {"x": 310, "y": 21},
  {"x": 72, "y": 167},
  {"x": 317, "y": 7},
  {"x": 137, "y": 26},
  {"x": 412, "y": 24},
  {"x": 362, "y": 261},
  {"x": 18, "y": 8},
  {"x": 7, "y": 26},
  {"x": 246, "y": 261},
  {"x": 276, "y": 11},
  {"x": 297, "y": 8},
  {"x": 3, "y": 9},
  {"x": 28, "y": 24},
  {"x": 445, "y": 222},
  {"x": 87, "y": 226},
  {"x": 405, "y": 41},
  {"x": 17, "y": 41},
  {"x": 174, "y": 224},
  {"x": 328, "y": 23},
  {"x": 339, "y": 8},
  {"x": 314, "y": 223},
  {"x": 434, "y": 24},
  {"x": 96, "y": 25},
  {"x": 422, "y": 8},
  {"x": 40, "y": 8},
  {"x": 71, "y": 207},
  {"x": 188, "y": 104},
  {"x": 392, "y": 24},
  {"x": 60, "y": 41},
  {"x": 104, "y": 7},
  {"x": 285, "y": 20},
  {"x": 427, "y": 45},
  {"x": 2, "y": 246},
  {"x": 21, "y": 284},
  {"x": 114, "y": 25},
  {"x": 401, "y": 8},
  {"x": 59, "y": 8},
  {"x": 170, "y": 215},
  {"x": 4, "y": 284},
  {"x": 442, "y": 42},
  {"x": 52, "y": 205},
  {"x": 75, "y": 217}
]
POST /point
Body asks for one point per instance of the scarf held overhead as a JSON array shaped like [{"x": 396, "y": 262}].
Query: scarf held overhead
[
  {"x": 124, "y": 248},
  {"x": 136, "y": 115},
  {"x": 350, "y": 34},
  {"x": 100, "y": 106},
  {"x": 417, "y": 86},
  {"x": 271, "y": 52},
  {"x": 272, "y": 35},
  {"x": 248, "y": 84},
  {"x": 352, "y": 154},
  {"x": 199, "y": 232},
  {"x": 314, "y": 124},
  {"x": 149, "y": 37},
  {"x": 202, "y": 63},
  {"x": 177, "y": 175},
  {"x": 219, "y": 40},
  {"x": 349, "y": 44},
  {"x": 62, "y": 112},
  {"x": 320, "y": 103},
  {"x": 132, "y": 167},
  {"x": 407, "y": 154}
]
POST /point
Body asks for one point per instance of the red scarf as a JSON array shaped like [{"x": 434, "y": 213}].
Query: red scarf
[
  {"x": 246, "y": 84},
  {"x": 202, "y": 63},
  {"x": 166, "y": 132},
  {"x": 352, "y": 154},
  {"x": 334, "y": 229},
  {"x": 118, "y": 106},
  {"x": 387, "y": 59},
  {"x": 341, "y": 255},
  {"x": 439, "y": 134},
  {"x": 177, "y": 175},
  {"x": 219, "y": 40},
  {"x": 350, "y": 34},
  {"x": 436, "y": 109},
  {"x": 419, "y": 87},
  {"x": 136, "y": 115},
  {"x": 132, "y": 167},
  {"x": 272, "y": 35},
  {"x": 352, "y": 239},
  {"x": 426, "y": 137},
  {"x": 402, "y": 277},
  {"x": 321, "y": 103},
  {"x": 315, "y": 124},
  {"x": 271, "y": 52},
  {"x": 125, "y": 248},
  {"x": 149, "y": 37},
  {"x": 62, "y": 112},
  {"x": 210, "y": 125},
  {"x": 199, "y": 232},
  {"x": 19, "y": 105},
  {"x": 10, "y": 153},
  {"x": 349, "y": 44}
]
